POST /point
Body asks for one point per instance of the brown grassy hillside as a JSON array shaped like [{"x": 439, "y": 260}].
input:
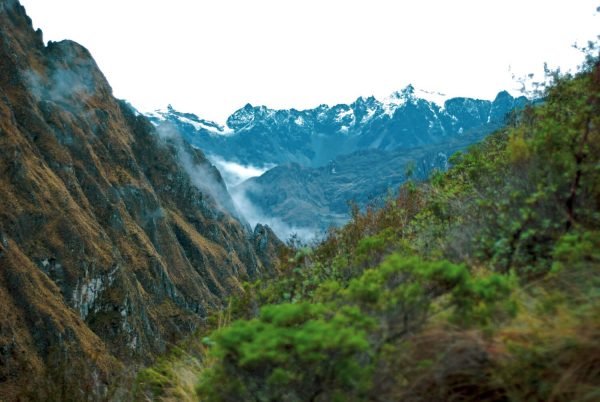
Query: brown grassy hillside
[{"x": 110, "y": 248}]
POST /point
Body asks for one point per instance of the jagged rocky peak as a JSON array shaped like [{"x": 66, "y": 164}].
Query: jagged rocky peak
[
  {"x": 408, "y": 118},
  {"x": 328, "y": 155},
  {"x": 407, "y": 92},
  {"x": 242, "y": 117},
  {"x": 117, "y": 238},
  {"x": 245, "y": 117}
]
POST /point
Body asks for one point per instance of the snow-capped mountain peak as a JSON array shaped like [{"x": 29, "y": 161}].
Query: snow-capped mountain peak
[
  {"x": 407, "y": 118},
  {"x": 169, "y": 114}
]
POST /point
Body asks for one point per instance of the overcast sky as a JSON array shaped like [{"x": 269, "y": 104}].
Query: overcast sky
[{"x": 212, "y": 57}]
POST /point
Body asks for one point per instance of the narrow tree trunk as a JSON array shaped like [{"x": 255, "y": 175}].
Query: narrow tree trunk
[{"x": 579, "y": 158}]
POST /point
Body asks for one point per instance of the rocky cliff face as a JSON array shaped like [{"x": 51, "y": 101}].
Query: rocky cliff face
[{"x": 115, "y": 239}]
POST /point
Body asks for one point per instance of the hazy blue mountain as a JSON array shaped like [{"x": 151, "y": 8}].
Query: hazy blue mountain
[
  {"x": 327, "y": 156},
  {"x": 257, "y": 135},
  {"x": 309, "y": 200}
]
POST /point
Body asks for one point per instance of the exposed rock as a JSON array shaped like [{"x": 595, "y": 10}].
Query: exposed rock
[{"x": 111, "y": 246}]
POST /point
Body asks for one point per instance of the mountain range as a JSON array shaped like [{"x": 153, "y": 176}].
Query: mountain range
[
  {"x": 321, "y": 158},
  {"x": 118, "y": 233},
  {"x": 257, "y": 135}
]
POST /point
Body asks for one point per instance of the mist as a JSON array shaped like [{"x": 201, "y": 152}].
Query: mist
[
  {"x": 232, "y": 197},
  {"x": 234, "y": 173},
  {"x": 205, "y": 177},
  {"x": 254, "y": 214}
]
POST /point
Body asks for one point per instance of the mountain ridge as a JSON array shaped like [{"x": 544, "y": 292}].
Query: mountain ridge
[
  {"x": 116, "y": 238},
  {"x": 258, "y": 135}
]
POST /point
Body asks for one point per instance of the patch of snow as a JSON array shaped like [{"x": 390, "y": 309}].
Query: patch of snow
[
  {"x": 399, "y": 98},
  {"x": 370, "y": 113},
  {"x": 162, "y": 115},
  {"x": 391, "y": 103},
  {"x": 195, "y": 124},
  {"x": 431, "y": 109},
  {"x": 201, "y": 126},
  {"x": 299, "y": 121},
  {"x": 271, "y": 113},
  {"x": 343, "y": 113},
  {"x": 322, "y": 114}
]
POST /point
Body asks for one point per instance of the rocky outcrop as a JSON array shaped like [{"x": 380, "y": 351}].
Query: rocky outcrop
[{"x": 116, "y": 239}]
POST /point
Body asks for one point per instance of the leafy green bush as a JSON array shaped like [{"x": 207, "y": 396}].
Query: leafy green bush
[{"x": 292, "y": 352}]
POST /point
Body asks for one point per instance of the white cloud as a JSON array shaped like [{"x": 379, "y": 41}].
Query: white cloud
[
  {"x": 234, "y": 173},
  {"x": 254, "y": 214}
]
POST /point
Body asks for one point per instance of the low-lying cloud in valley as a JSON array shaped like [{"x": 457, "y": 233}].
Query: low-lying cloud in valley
[
  {"x": 234, "y": 173},
  {"x": 254, "y": 214}
]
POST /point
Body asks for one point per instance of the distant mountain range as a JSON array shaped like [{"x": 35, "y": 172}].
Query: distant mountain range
[
  {"x": 258, "y": 135},
  {"x": 327, "y": 156}
]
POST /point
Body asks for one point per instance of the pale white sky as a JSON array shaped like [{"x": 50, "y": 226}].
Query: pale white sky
[{"x": 212, "y": 57}]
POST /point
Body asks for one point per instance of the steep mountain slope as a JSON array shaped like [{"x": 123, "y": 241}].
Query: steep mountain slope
[
  {"x": 307, "y": 201},
  {"x": 260, "y": 136},
  {"x": 115, "y": 239}
]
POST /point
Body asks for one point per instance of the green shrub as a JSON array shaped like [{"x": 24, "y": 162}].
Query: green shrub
[{"x": 292, "y": 352}]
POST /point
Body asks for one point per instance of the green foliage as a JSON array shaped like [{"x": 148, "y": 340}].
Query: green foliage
[
  {"x": 484, "y": 300},
  {"x": 576, "y": 251},
  {"x": 402, "y": 289},
  {"x": 291, "y": 352},
  {"x": 479, "y": 284}
]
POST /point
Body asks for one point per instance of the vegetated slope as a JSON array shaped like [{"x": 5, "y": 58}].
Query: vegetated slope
[
  {"x": 481, "y": 283},
  {"x": 114, "y": 241}
]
